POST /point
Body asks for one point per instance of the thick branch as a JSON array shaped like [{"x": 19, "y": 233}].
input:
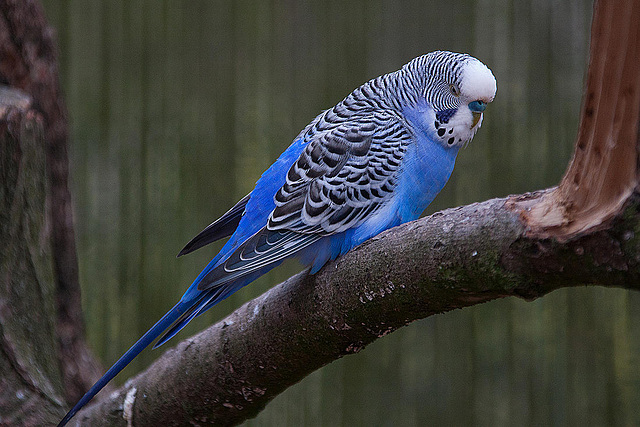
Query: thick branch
[{"x": 453, "y": 259}]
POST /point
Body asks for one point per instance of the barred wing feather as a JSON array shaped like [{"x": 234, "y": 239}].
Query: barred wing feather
[{"x": 343, "y": 176}]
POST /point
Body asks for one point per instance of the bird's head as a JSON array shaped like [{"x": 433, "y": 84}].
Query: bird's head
[{"x": 456, "y": 88}]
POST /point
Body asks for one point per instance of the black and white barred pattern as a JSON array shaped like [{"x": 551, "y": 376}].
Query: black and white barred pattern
[
  {"x": 350, "y": 165},
  {"x": 342, "y": 176}
]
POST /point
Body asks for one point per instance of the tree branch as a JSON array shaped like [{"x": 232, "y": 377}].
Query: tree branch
[
  {"x": 604, "y": 168},
  {"x": 452, "y": 259}
]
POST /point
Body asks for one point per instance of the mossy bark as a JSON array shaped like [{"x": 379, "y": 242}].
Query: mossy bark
[
  {"x": 453, "y": 259},
  {"x": 30, "y": 380},
  {"x": 28, "y": 62}
]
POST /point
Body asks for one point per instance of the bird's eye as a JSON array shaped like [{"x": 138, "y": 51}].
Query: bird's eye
[{"x": 454, "y": 90}]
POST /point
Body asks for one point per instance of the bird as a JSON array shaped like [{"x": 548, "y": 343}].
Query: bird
[{"x": 375, "y": 160}]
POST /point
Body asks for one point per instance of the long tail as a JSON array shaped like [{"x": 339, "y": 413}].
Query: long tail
[
  {"x": 161, "y": 325},
  {"x": 188, "y": 308}
]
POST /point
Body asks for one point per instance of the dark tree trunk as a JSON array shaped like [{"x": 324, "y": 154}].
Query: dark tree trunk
[
  {"x": 28, "y": 61},
  {"x": 581, "y": 233},
  {"x": 30, "y": 380}
]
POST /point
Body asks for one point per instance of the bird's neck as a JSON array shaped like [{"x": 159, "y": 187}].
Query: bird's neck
[{"x": 426, "y": 169}]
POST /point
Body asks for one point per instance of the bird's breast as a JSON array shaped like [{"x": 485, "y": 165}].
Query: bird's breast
[{"x": 426, "y": 169}]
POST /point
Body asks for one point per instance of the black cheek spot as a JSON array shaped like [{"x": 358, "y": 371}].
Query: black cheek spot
[
  {"x": 450, "y": 131},
  {"x": 451, "y": 141},
  {"x": 441, "y": 131},
  {"x": 436, "y": 124}
]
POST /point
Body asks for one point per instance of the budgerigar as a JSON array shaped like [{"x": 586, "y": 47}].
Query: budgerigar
[{"x": 374, "y": 161}]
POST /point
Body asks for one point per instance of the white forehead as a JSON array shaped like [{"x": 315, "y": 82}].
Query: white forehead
[{"x": 477, "y": 81}]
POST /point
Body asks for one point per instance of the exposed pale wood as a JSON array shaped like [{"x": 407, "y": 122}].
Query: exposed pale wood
[{"x": 604, "y": 169}]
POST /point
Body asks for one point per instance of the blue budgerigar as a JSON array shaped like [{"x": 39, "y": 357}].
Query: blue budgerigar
[{"x": 374, "y": 161}]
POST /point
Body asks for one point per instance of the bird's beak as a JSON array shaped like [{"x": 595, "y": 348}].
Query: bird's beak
[
  {"x": 476, "y": 118},
  {"x": 477, "y": 107}
]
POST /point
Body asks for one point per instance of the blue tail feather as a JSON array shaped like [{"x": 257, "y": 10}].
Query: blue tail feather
[
  {"x": 189, "y": 314},
  {"x": 207, "y": 300},
  {"x": 188, "y": 308},
  {"x": 155, "y": 331}
]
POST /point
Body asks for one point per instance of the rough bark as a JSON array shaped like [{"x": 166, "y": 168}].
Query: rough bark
[
  {"x": 584, "y": 232},
  {"x": 30, "y": 382},
  {"x": 453, "y": 259},
  {"x": 28, "y": 61}
]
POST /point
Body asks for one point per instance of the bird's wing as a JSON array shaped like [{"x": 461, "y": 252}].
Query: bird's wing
[
  {"x": 220, "y": 228},
  {"x": 342, "y": 177}
]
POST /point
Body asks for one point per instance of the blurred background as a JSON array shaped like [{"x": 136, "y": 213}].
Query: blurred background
[{"x": 176, "y": 108}]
